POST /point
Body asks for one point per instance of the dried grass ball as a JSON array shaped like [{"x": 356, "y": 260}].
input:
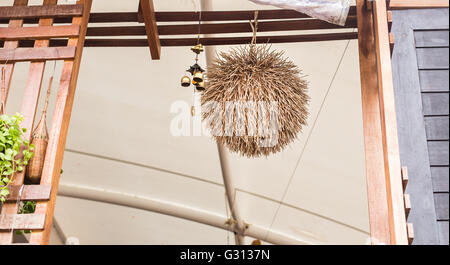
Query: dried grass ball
[{"x": 258, "y": 76}]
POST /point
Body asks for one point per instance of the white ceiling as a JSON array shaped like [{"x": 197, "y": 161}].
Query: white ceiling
[{"x": 119, "y": 140}]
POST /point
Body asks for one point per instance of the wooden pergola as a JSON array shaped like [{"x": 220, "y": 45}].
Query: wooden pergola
[{"x": 62, "y": 31}]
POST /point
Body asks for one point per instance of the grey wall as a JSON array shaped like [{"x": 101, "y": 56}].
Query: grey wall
[{"x": 421, "y": 80}]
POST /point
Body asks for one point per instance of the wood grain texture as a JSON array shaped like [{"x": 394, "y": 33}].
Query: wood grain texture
[
  {"x": 375, "y": 175},
  {"x": 21, "y": 222},
  {"x": 218, "y": 28},
  {"x": 438, "y": 151},
  {"x": 391, "y": 151},
  {"x": 36, "y": 54},
  {"x": 207, "y": 16},
  {"x": 435, "y": 104},
  {"x": 11, "y": 208},
  {"x": 411, "y": 123},
  {"x": 148, "y": 14},
  {"x": 407, "y": 205},
  {"x": 437, "y": 128},
  {"x": 443, "y": 232},
  {"x": 431, "y": 38},
  {"x": 433, "y": 58},
  {"x": 440, "y": 177},
  {"x": 29, "y": 193},
  {"x": 442, "y": 206},
  {"x": 411, "y": 4},
  {"x": 434, "y": 80},
  {"x": 60, "y": 125},
  {"x": 52, "y": 11},
  {"x": 41, "y": 32}
]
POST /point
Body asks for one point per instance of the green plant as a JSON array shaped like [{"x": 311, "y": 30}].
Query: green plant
[
  {"x": 11, "y": 141},
  {"x": 27, "y": 207}
]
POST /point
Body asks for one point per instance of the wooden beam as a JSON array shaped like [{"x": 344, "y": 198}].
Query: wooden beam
[
  {"x": 389, "y": 126},
  {"x": 375, "y": 175},
  {"x": 148, "y": 14},
  {"x": 234, "y": 15},
  {"x": 411, "y": 4},
  {"x": 60, "y": 125},
  {"x": 29, "y": 193},
  {"x": 21, "y": 221},
  {"x": 36, "y": 54},
  {"x": 51, "y": 11},
  {"x": 120, "y": 17},
  {"x": 207, "y": 41},
  {"x": 219, "y": 28},
  {"x": 42, "y": 32}
]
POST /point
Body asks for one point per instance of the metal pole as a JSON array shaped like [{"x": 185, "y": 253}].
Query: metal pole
[
  {"x": 175, "y": 210},
  {"x": 206, "y": 5}
]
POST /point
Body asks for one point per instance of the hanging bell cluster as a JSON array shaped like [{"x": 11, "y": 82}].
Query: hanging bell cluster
[{"x": 196, "y": 71}]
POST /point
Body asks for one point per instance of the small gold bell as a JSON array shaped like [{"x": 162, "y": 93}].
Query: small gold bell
[
  {"x": 200, "y": 86},
  {"x": 185, "y": 81},
  {"x": 197, "y": 48},
  {"x": 198, "y": 77}
]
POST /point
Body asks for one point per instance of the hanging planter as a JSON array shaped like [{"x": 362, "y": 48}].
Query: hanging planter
[
  {"x": 272, "y": 85},
  {"x": 39, "y": 139},
  {"x": 11, "y": 141}
]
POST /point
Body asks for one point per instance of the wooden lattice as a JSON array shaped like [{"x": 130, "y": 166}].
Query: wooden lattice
[{"x": 45, "y": 194}]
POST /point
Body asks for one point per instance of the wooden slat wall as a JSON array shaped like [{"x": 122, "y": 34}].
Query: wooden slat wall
[
  {"x": 432, "y": 48},
  {"x": 421, "y": 74}
]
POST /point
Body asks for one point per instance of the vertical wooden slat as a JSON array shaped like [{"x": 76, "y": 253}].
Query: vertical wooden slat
[
  {"x": 148, "y": 14},
  {"x": 9, "y": 68},
  {"x": 60, "y": 124},
  {"x": 376, "y": 182},
  {"x": 11, "y": 208},
  {"x": 389, "y": 126}
]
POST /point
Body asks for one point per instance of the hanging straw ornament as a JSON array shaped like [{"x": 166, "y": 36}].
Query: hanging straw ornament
[
  {"x": 39, "y": 139},
  {"x": 255, "y": 74}
]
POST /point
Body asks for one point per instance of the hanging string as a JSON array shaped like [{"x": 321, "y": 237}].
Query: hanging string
[
  {"x": 50, "y": 83},
  {"x": 196, "y": 56},
  {"x": 254, "y": 26}
]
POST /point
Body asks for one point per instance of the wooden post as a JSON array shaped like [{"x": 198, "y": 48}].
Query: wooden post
[
  {"x": 60, "y": 125},
  {"x": 392, "y": 167},
  {"x": 376, "y": 181}
]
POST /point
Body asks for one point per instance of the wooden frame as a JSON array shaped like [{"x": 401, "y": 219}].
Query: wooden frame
[
  {"x": 45, "y": 194},
  {"x": 386, "y": 180},
  {"x": 411, "y": 4}
]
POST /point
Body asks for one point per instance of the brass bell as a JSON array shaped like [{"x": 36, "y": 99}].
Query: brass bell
[
  {"x": 197, "y": 48},
  {"x": 185, "y": 81},
  {"x": 198, "y": 77},
  {"x": 200, "y": 86}
]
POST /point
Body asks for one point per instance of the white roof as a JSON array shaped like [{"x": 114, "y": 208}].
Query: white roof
[{"x": 119, "y": 142}]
